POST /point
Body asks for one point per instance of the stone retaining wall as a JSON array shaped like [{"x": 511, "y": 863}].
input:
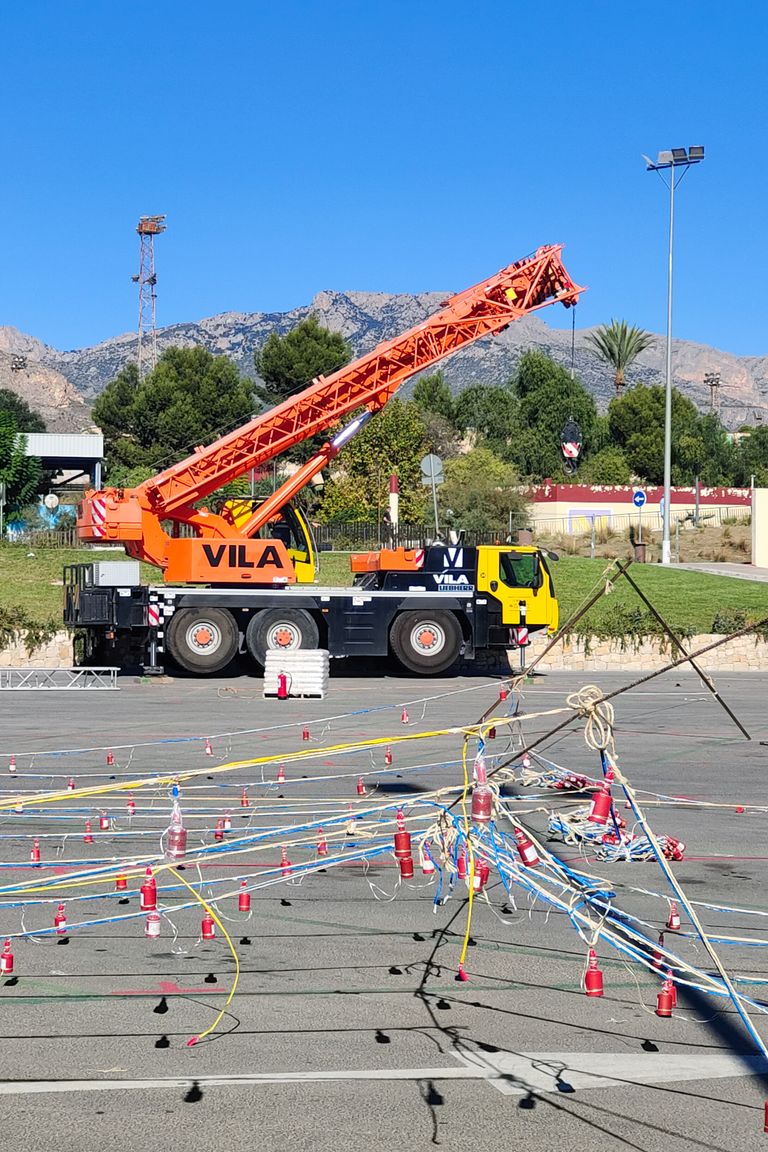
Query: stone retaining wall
[
  {"x": 739, "y": 655},
  {"x": 576, "y": 655}
]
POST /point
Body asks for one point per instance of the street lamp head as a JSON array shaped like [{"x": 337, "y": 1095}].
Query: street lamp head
[
  {"x": 679, "y": 156},
  {"x": 664, "y": 158},
  {"x": 695, "y": 153}
]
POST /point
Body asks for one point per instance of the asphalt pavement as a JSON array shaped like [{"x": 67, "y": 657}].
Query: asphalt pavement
[{"x": 349, "y": 1029}]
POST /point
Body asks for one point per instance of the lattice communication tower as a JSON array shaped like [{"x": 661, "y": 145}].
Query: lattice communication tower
[{"x": 146, "y": 356}]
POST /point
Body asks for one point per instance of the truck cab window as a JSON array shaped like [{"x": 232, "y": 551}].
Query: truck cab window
[{"x": 519, "y": 570}]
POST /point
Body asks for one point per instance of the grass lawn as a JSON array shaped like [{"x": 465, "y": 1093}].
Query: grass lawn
[{"x": 689, "y": 600}]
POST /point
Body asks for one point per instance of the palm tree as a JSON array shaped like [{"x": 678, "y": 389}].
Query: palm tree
[{"x": 618, "y": 344}]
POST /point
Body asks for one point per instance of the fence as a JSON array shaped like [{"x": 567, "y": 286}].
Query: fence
[{"x": 362, "y": 534}]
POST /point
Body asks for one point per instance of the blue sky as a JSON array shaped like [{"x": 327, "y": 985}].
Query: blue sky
[{"x": 403, "y": 146}]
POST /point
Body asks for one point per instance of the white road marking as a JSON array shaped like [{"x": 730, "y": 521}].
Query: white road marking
[{"x": 512, "y": 1074}]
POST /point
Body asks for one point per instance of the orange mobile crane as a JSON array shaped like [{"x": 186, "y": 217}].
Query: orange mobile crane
[{"x": 245, "y": 562}]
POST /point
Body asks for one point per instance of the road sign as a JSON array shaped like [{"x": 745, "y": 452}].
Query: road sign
[
  {"x": 431, "y": 469},
  {"x": 638, "y": 499}
]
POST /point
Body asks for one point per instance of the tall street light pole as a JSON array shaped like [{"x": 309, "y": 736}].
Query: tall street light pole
[{"x": 676, "y": 160}]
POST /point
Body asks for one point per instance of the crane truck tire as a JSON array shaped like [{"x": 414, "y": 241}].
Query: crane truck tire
[
  {"x": 202, "y": 640},
  {"x": 426, "y": 642},
  {"x": 280, "y": 629}
]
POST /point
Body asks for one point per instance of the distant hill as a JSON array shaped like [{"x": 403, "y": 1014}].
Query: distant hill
[{"x": 365, "y": 319}]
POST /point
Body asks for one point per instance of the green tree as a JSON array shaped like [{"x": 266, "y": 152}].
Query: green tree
[
  {"x": 751, "y": 458},
  {"x": 21, "y": 474},
  {"x": 480, "y": 491},
  {"x": 608, "y": 466},
  {"x": 392, "y": 442},
  {"x": 492, "y": 414},
  {"x": 548, "y": 397},
  {"x": 618, "y": 344},
  {"x": 27, "y": 420},
  {"x": 433, "y": 395},
  {"x": 190, "y": 398},
  {"x": 287, "y": 364}
]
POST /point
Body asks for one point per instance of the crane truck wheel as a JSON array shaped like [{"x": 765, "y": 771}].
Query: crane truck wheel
[
  {"x": 426, "y": 642},
  {"x": 281, "y": 630},
  {"x": 202, "y": 640}
]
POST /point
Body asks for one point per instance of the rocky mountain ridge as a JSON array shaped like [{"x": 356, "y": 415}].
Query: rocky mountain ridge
[{"x": 59, "y": 383}]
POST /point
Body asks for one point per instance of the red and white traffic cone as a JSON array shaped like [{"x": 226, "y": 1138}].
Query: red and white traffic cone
[
  {"x": 103, "y": 821},
  {"x": 322, "y": 843},
  {"x": 121, "y": 883},
  {"x": 286, "y": 869},
  {"x": 673, "y": 986},
  {"x": 388, "y": 756},
  {"x": 88, "y": 834},
  {"x": 664, "y": 1000},
  {"x": 404, "y": 716},
  {"x": 658, "y": 957},
  {"x": 305, "y": 732},
  {"x": 208, "y": 749},
  {"x": 503, "y": 692},
  {"x": 593, "y": 977},
  {"x": 528, "y": 853},
  {"x": 71, "y": 784},
  {"x": 243, "y": 897},
  {"x": 244, "y": 798},
  {"x": 131, "y": 804},
  {"x": 360, "y": 786},
  {"x": 110, "y": 758},
  {"x": 208, "y": 927},
  {"x": 218, "y": 832},
  {"x": 673, "y": 920},
  {"x": 427, "y": 863},
  {"x": 148, "y": 893},
  {"x": 60, "y": 921},
  {"x": 152, "y": 926},
  {"x": 6, "y": 960},
  {"x": 281, "y": 774},
  {"x": 12, "y": 765},
  {"x": 34, "y": 855}
]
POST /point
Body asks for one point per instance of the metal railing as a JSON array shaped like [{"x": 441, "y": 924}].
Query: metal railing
[{"x": 58, "y": 679}]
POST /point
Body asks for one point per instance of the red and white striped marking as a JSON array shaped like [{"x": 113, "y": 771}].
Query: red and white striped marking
[
  {"x": 153, "y": 615},
  {"x": 418, "y": 557},
  {"x": 99, "y": 516},
  {"x": 571, "y": 450},
  {"x": 521, "y": 635}
]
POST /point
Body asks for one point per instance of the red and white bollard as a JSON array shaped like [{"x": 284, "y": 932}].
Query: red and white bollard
[
  {"x": 286, "y": 868},
  {"x": 503, "y": 692},
  {"x": 404, "y": 716},
  {"x": 208, "y": 747},
  {"x": 6, "y": 960},
  {"x": 360, "y": 786},
  {"x": 152, "y": 926},
  {"x": 131, "y": 804},
  {"x": 673, "y": 920},
  {"x": 481, "y": 875},
  {"x": 110, "y": 758},
  {"x": 12, "y": 765},
  {"x": 71, "y": 784},
  {"x": 244, "y": 798},
  {"x": 244, "y": 897},
  {"x": 427, "y": 863},
  {"x": 282, "y": 686},
  {"x": 593, "y": 977},
  {"x": 121, "y": 883},
  {"x": 176, "y": 844},
  {"x": 227, "y": 821},
  {"x": 208, "y": 927},
  {"x": 322, "y": 843},
  {"x": 60, "y": 921},
  {"x": 405, "y": 864},
  {"x": 528, "y": 853},
  {"x": 148, "y": 893},
  {"x": 281, "y": 774},
  {"x": 34, "y": 855},
  {"x": 388, "y": 756},
  {"x": 103, "y": 821},
  {"x": 88, "y": 834},
  {"x": 482, "y": 797},
  {"x": 218, "y": 832},
  {"x": 305, "y": 732}
]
